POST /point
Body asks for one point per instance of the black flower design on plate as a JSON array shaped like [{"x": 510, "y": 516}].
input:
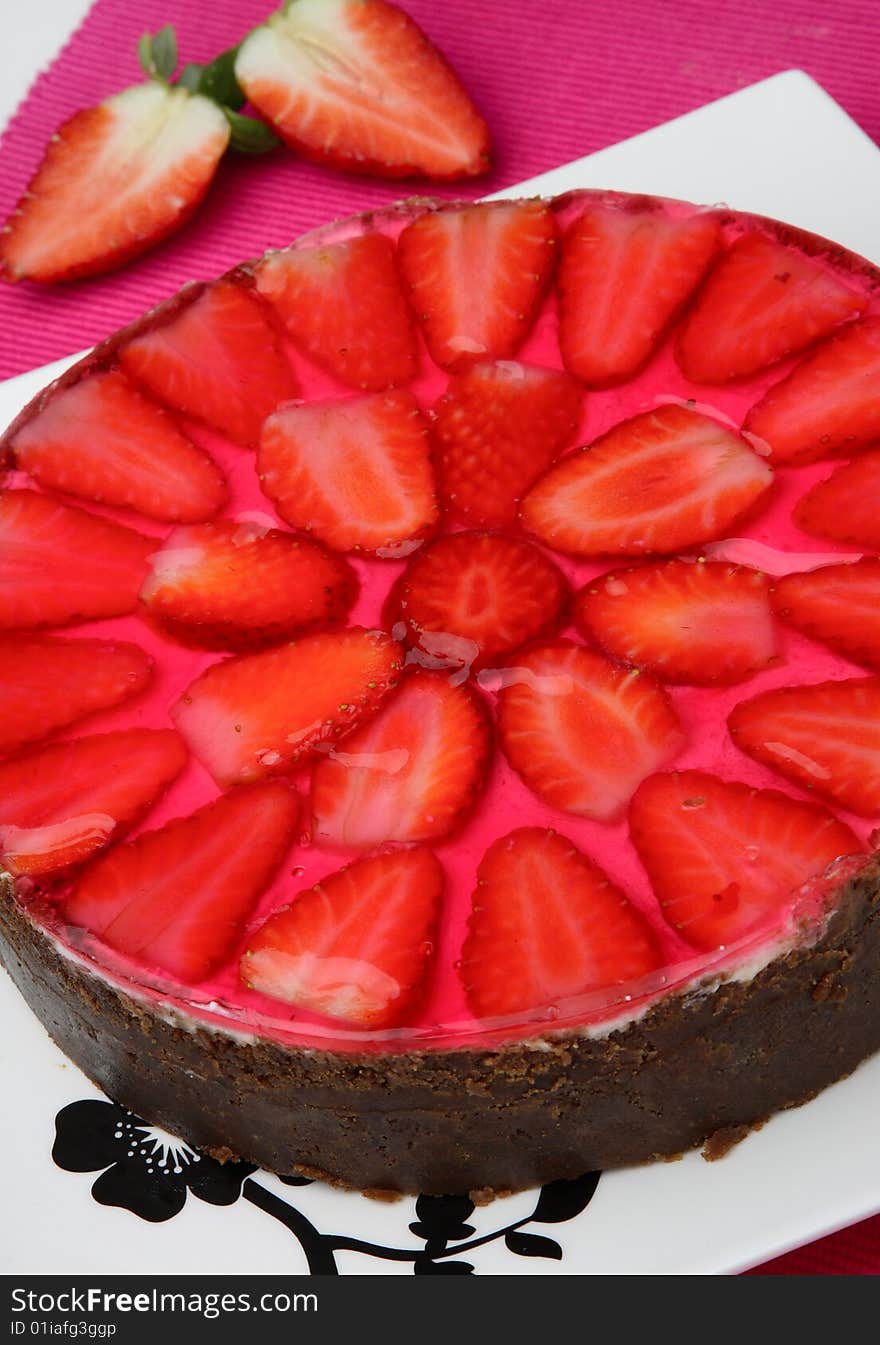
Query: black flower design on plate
[
  {"x": 143, "y": 1169},
  {"x": 147, "y": 1171}
]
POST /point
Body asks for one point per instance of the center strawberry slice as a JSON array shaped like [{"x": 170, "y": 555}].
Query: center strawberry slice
[
  {"x": 343, "y": 306},
  {"x": 662, "y": 481},
  {"x": 762, "y": 302},
  {"x": 60, "y": 804},
  {"x": 547, "y": 924},
  {"x": 496, "y": 429},
  {"x": 357, "y": 946},
  {"x": 262, "y": 714},
  {"x": 179, "y": 898},
  {"x": 837, "y": 604},
  {"x": 582, "y": 731},
  {"x": 47, "y": 684},
  {"x": 60, "y": 565},
  {"x": 410, "y": 774},
  {"x": 228, "y": 585},
  {"x": 824, "y": 737},
  {"x": 468, "y": 600},
  {"x": 103, "y": 440},
  {"x": 687, "y": 621},
  {"x": 828, "y": 403},
  {"x": 355, "y": 473},
  {"x": 476, "y": 276},
  {"x": 217, "y": 360},
  {"x": 623, "y": 277},
  {"x": 725, "y": 859}
]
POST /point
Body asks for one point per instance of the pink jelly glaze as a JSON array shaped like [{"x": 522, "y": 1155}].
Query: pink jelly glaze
[{"x": 770, "y": 541}]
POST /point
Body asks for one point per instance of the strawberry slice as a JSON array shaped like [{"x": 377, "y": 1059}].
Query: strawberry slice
[
  {"x": 102, "y": 440},
  {"x": 261, "y": 714},
  {"x": 686, "y": 621},
  {"x": 477, "y": 275},
  {"x": 60, "y": 565},
  {"x": 355, "y": 473},
  {"x": 828, "y": 403},
  {"x": 837, "y": 604},
  {"x": 218, "y": 360},
  {"x": 623, "y": 277},
  {"x": 662, "y": 481},
  {"x": 581, "y": 731},
  {"x": 845, "y": 507},
  {"x": 357, "y": 85},
  {"x": 228, "y": 585},
  {"x": 496, "y": 429},
  {"x": 761, "y": 303},
  {"x": 358, "y": 946},
  {"x": 114, "y": 180},
  {"x": 178, "y": 898},
  {"x": 548, "y": 924},
  {"x": 724, "y": 859},
  {"x": 468, "y": 600},
  {"x": 48, "y": 683},
  {"x": 343, "y": 306},
  {"x": 60, "y": 804},
  {"x": 824, "y": 737},
  {"x": 410, "y": 774}
]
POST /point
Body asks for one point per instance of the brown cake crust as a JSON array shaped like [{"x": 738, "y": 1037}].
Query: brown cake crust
[{"x": 706, "y": 1063}]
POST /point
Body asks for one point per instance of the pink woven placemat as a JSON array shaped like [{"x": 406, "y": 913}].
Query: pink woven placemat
[{"x": 555, "y": 80}]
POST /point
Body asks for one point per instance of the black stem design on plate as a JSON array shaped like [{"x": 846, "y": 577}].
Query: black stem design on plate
[{"x": 150, "y": 1173}]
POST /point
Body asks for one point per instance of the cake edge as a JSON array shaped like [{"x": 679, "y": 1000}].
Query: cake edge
[{"x": 700, "y": 1067}]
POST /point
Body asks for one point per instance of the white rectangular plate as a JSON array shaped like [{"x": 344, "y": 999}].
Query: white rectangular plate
[{"x": 782, "y": 148}]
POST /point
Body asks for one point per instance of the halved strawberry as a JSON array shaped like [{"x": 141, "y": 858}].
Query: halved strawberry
[
  {"x": 358, "y": 945},
  {"x": 825, "y": 737},
  {"x": 48, "y": 683},
  {"x": 828, "y": 403},
  {"x": 114, "y": 180},
  {"x": 238, "y": 585},
  {"x": 662, "y": 481},
  {"x": 837, "y": 604},
  {"x": 686, "y": 621},
  {"x": 547, "y": 924},
  {"x": 582, "y": 731},
  {"x": 343, "y": 305},
  {"x": 356, "y": 473},
  {"x": 724, "y": 859},
  {"x": 217, "y": 360},
  {"x": 846, "y": 506},
  {"x": 468, "y": 600},
  {"x": 623, "y": 277},
  {"x": 262, "y": 714},
  {"x": 357, "y": 85},
  {"x": 60, "y": 565},
  {"x": 178, "y": 898},
  {"x": 476, "y": 276},
  {"x": 103, "y": 440},
  {"x": 762, "y": 302},
  {"x": 496, "y": 429},
  {"x": 60, "y": 804},
  {"x": 410, "y": 774}
]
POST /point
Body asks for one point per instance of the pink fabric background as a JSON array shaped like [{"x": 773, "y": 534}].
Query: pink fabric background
[{"x": 555, "y": 79}]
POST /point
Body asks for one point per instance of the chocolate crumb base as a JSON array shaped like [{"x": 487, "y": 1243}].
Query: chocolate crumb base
[{"x": 696, "y": 1069}]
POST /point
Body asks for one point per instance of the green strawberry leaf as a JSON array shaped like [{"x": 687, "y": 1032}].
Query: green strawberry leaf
[
  {"x": 190, "y": 77},
  {"x": 157, "y": 53},
  {"x": 218, "y": 81},
  {"x": 165, "y": 52},
  {"x": 250, "y": 136}
]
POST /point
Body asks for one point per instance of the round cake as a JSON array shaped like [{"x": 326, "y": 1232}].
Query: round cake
[{"x": 439, "y": 695}]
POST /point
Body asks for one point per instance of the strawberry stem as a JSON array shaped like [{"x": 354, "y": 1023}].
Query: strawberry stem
[{"x": 157, "y": 54}]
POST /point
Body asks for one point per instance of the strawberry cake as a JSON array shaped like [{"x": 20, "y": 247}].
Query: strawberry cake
[{"x": 440, "y": 693}]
